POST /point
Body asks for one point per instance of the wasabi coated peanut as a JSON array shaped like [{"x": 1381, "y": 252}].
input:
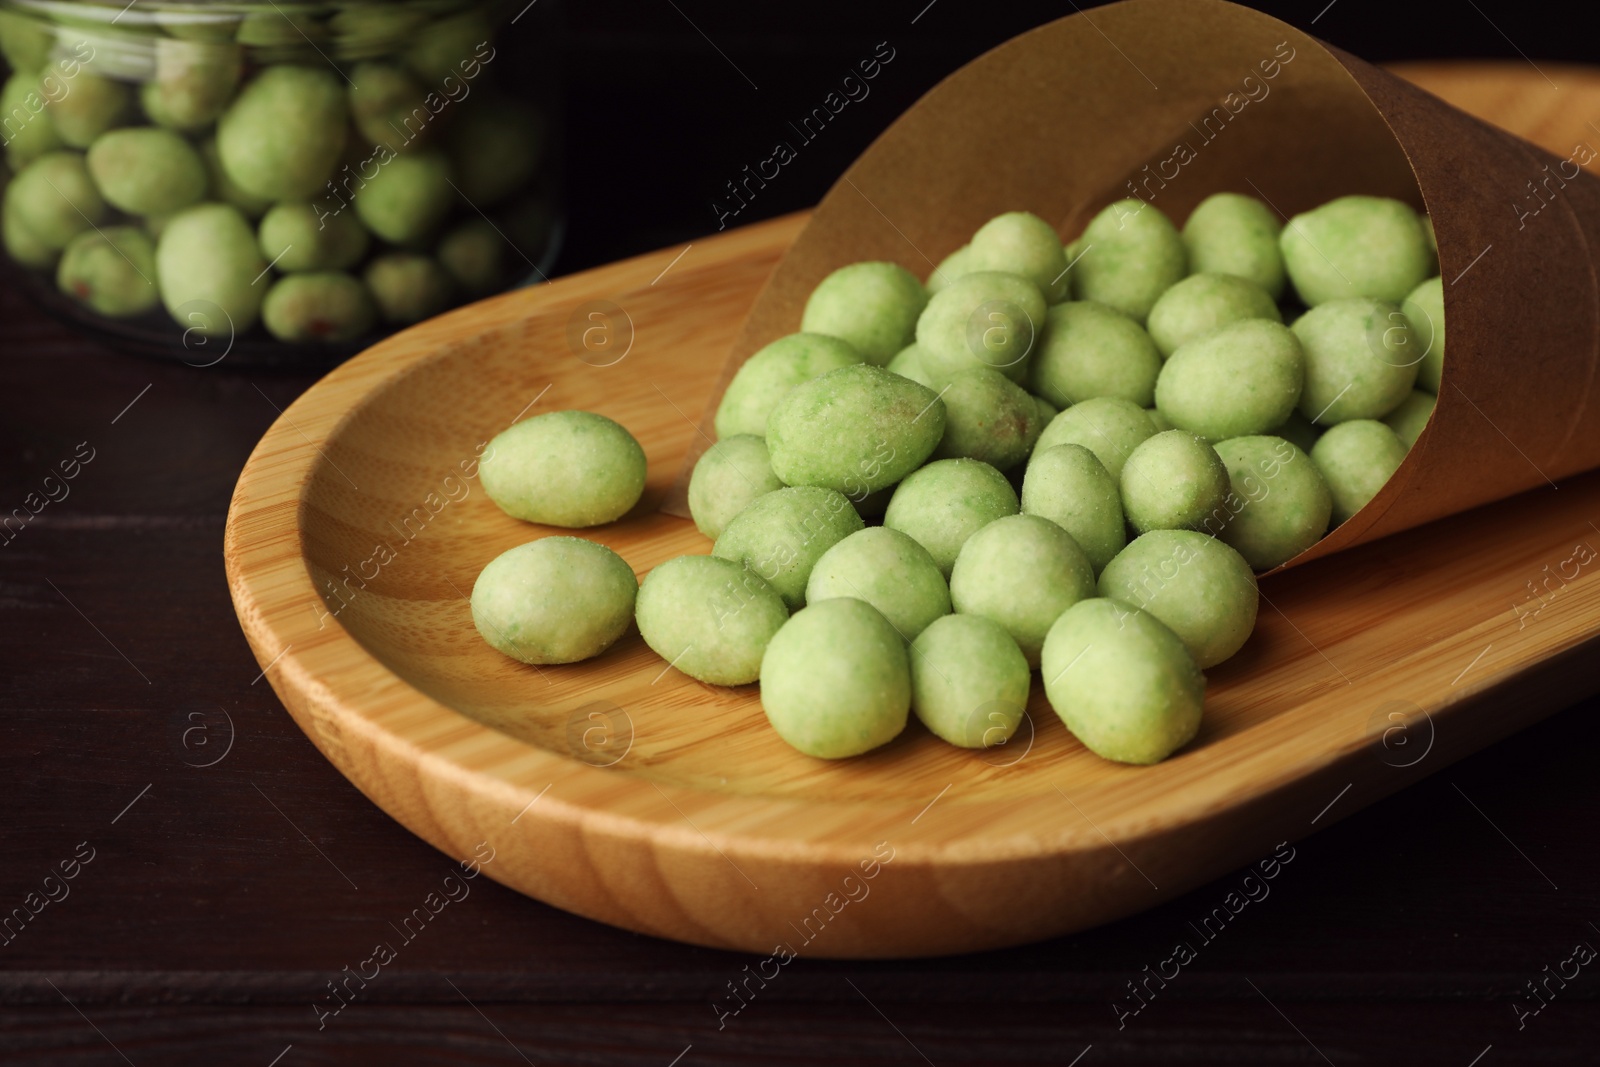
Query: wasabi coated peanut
[
  {"x": 407, "y": 199},
  {"x": 946, "y": 502},
  {"x": 55, "y": 198},
  {"x": 1022, "y": 572},
  {"x": 873, "y": 306},
  {"x": 888, "y": 570},
  {"x": 207, "y": 255},
  {"x": 982, "y": 319},
  {"x": 193, "y": 83},
  {"x": 146, "y": 170},
  {"x": 383, "y": 97},
  {"x": 25, "y": 45},
  {"x": 28, "y": 131},
  {"x": 301, "y": 237},
  {"x": 1279, "y": 505},
  {"x": 1109, "y": 427},
  {"x": 283, "y": 133},
  {"x": 1356, "y": 246},
  {"x": 1090, "y": 350},
  {"x": 949, "y": 269},
  {"x": 988, "y": 417},
  {"x": 1229, "y": 233},
  {"x": 495, "y": 147},
  {"x": 836, "y": 681},
  {"x": 112, "y": 270},
  {"x": 1424, "y": 312},
  {"x": 908, "y": 364},
  {"x": 222, "y": 187},
  {"x": 710, "y": 618},
  {"x": 1021, "y": 243},
  {"x": 1204, "y": 303},
  {"x": 565, "y": 468},
  {"x": 1068, "y": 485},
  {"x": 782, "y": 534},
  {"x": 21, "y": 243},
  {"x": 407, "y": 286},
  {"x": 1240, "y": 380},
  {"x": 555, "y": 600},
  {"x": 318, "y": 306},
  {"x": 1361, "y": 360},
  {"x": 1131, "y": 255},
  {"x": 727, "y": 478},
  {"x": 1356, "y": 458},
  {"x": 474, "y": 254},
  {"x": 1173, "y": 481},
  {"x": 89, "y": 108},
  {"x": 1122, "y": 682},
  {"x": 1199, "y": 587},
  {"x": 767, "y": 376},
  {"x": 857, "y": 429},
  {"x": 969, "y": 681},
  {"x": 1411, "y": 416}
]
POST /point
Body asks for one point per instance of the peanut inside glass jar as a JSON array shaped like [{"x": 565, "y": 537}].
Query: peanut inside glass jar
[{"x": 270, "y": 177}]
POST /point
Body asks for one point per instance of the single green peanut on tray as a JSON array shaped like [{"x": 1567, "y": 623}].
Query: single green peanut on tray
[
  {"x": 988, "y": 417},
  {"x": 982, "y": 319},
  {"x": 727, "y": 478},
  {"x": 564, "y": 468},
  {"x": 888, "y": 570},
  {"x": 407, "y": 286},
  {"x": 857, "y": 429},
  {"x": 969, "y": 681},
  {"x": 1068, "y": 485},
  {"x": 1131, "y": 255},
  {"x": 555, "y": 600},
  {"x": 836, "y": 681},
  {"x": 1408, "y": 420},
  {"x": 208, "y": 267},
  {"x": 1122, "y": 682},
  {"x": 301, "y": 237},
  {"x": 405, "y": 202},
  {"x": 1360, "y": 360},
  {"x": 1368, "y": 247},
  {"x": 1198, "y": 586},
  {"x": 1229, "y": 233},
  {"x": 1021, "y": 243},
  {"x": 1278, "y": 506},
  {"x": 283, "y": 133},
  {"x": 111, "y": 270},
  {"x": 1022, "y": 572},
  {"x": 1356, "y": 459},
  {"x": 1091, "y": 350},
  {"x": 147, "y": 170},
  {"x": 768, "y": 375},
  {"x": 710, "y": 618},
  {"x": 1108, "y": 426},
  {"x": 782, "y": 534},
  {"x": 1242, "y": 379},
  {"x": 1202, "y": 304},
  {"x": 1173, "y": 481},
  {"x": 54, "y": 199},
  {"x": 873, "y": 306},
  {"x": 1424, "y": 312},
  {"x": 946, "y": 502},
  {"x": 318, "y": 306}
]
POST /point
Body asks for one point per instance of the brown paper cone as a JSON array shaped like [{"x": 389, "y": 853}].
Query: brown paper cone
[{"x": 1101, "y": 105}]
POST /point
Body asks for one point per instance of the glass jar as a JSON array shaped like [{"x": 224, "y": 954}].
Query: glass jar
[{"x": 274, "y": 182}]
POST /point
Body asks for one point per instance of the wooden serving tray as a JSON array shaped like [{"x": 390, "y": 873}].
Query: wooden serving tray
[{"x": 624, "y": 791}]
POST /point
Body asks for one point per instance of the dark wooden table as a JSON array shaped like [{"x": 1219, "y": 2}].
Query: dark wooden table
[{"x": 223, "y": 874}]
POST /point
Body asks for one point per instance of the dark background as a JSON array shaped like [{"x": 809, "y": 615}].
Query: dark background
[{"x": 222, "y": 898}]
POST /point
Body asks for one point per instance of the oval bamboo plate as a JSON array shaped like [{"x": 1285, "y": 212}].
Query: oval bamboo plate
[{"x": 624, "y": 791}]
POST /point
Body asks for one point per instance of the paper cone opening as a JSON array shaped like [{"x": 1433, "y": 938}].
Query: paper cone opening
[{"x": 1173, "y": 100}]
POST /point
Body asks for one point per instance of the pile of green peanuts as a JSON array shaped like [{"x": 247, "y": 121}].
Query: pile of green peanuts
[
  {"x": 1065, "y": 458},
  {"x": 222, "y": 167}
]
